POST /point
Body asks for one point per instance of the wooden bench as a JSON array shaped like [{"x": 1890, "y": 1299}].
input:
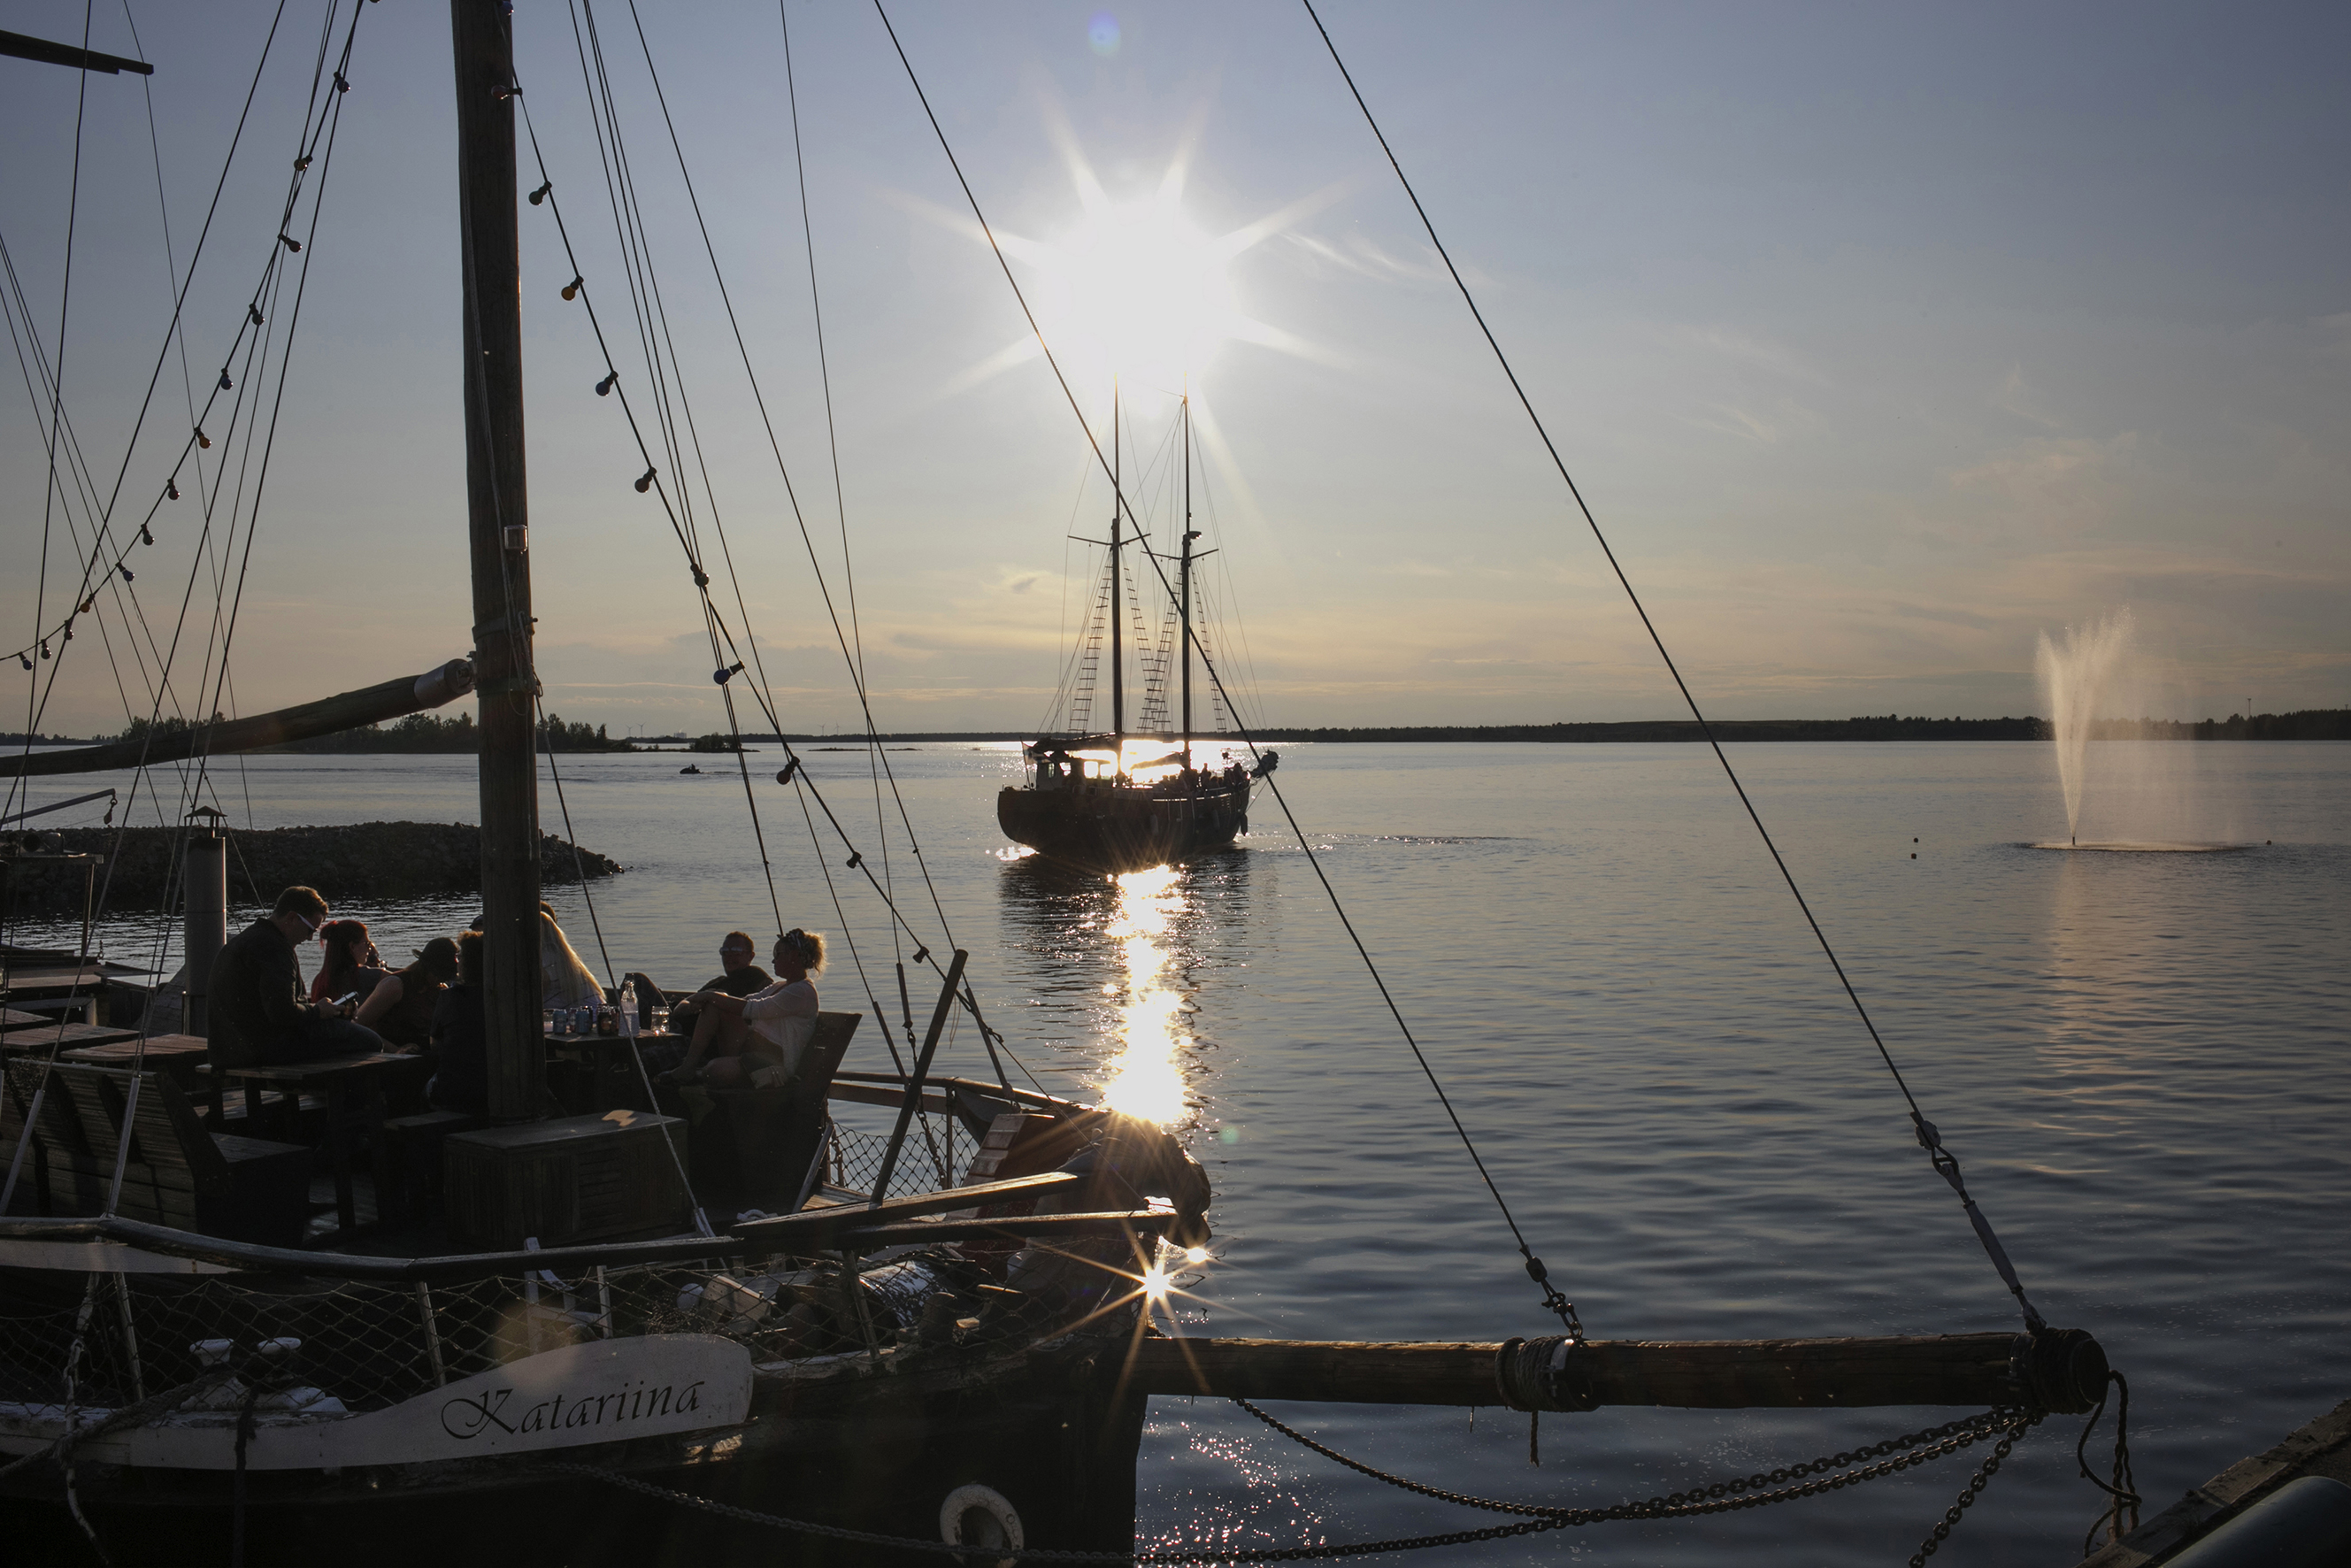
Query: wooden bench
[
  {"x": 756, "y": 1147},
  {"x": 178, "y": 1174}
]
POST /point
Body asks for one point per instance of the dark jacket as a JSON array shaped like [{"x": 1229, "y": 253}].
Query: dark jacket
[
  {"x": 461, "y": 1047},
  {"x": 741, "y": 983},
  {"x": 254, "y": 1012}
]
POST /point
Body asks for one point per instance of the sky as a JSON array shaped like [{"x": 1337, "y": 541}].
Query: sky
[{"x": 1880, "y": 340}]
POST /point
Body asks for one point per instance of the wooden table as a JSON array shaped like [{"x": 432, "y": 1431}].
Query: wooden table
[
  {"x": 612, "y": 1065},
  {"x": 337, "y": 1077},
  {"x": 11, "y": 1018},
  {"x": 177, "y": 1054},
  {"x": 23, "y": 1039}
]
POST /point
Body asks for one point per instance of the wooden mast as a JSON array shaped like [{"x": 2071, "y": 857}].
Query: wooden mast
[
  {"x": 1185, "y": 571},
  {"x": 498, "y": 516},
  {"x": 1117, "y": 609}
]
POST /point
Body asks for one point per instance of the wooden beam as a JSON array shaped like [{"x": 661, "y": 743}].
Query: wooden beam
[
  {"x": 2061, "y": 1370},
  {"x": 808, "y": 1226},
  {"x": 27, "y": 47},
  {"x": 327, "y": 716}
]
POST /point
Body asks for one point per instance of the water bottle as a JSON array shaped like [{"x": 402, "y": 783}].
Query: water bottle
[{"x": 629, "y": 1009}]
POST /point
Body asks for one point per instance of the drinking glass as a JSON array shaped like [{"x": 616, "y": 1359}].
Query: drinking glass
[
  {"x": 546, "y": 1021},
  {"x": 661, "y": 1021}
]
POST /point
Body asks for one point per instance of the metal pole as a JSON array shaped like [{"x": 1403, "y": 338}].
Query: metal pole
[
  {"x": 498, "y": 513},
  {"x": 205, "y": 928},
  {"x": 914, "y": 1102}
]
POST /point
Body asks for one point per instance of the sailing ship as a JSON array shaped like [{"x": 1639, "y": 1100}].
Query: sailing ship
[
  {"x": 538, "y": 1339},
  {"x": 1088, "y": 800},
  {"x": 545, "y": 1345}
]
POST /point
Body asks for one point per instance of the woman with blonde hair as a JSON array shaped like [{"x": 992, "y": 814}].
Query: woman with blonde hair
[{"x": 757, "y": 1039}]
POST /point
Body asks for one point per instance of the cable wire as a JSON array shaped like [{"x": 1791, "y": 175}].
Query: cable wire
[{"x": 1945, "y": 1165}]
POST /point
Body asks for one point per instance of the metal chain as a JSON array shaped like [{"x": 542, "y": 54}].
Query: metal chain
[
  {"x": 2024, "y": 1423},
  {"x": 1933, "y": 1443},
  {"x": 1721, "y": 1497}
]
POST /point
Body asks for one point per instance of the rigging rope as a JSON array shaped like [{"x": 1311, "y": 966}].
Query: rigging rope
[
  {"x": 678, "y": 510},
  {"x": 1946, "y": 1165},
  {"x": 314, "y": 132},
  {"x": 1553, "y": 1300}
]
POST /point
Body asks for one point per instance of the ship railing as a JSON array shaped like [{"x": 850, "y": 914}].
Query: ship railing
[
  {"x": 150, "y": 1309},
  {"x": 102, "y": 1312}
]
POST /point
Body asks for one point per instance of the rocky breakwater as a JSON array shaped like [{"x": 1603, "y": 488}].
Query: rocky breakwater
[{"x": 365, "y": 861}]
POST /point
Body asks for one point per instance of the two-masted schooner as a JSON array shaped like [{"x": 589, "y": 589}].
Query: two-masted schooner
[{"x": 1088, "y": 800}]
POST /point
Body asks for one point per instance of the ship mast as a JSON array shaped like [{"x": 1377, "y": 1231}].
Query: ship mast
[
  {"x": 1117, "y": 663},
  {"x": 1184, "y": 577},
  {"x": 498, "y": 529}
]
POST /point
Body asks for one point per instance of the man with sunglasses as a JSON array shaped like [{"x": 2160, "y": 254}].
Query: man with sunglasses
[
  {"x": 256, "y": 1015},
  {"x": 741, "y": 977}
]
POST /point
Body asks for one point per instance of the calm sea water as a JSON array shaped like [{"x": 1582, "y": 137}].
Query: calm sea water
[{"x": 2140, "y": 1058}]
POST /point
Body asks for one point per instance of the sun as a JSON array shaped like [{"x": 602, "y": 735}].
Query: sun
[{"x": 1134, "y": 290}]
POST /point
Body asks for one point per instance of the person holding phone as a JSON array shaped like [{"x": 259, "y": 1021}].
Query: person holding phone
[
  {"x": 351, "y": 966},
  {"x": 255, "y": 1012}
]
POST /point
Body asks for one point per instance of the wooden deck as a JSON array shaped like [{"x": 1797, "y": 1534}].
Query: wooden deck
[{"x": 2321, "y": 1449}]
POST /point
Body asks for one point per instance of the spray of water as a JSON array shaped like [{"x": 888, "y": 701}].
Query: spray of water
[{"x": 2075, "y": 675}]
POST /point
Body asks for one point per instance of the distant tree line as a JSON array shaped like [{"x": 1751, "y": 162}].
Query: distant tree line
[{"x": 419, "y": 732}]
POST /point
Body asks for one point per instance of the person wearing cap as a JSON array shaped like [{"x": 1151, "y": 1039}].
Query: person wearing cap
[
  {"x": 757, "y": 1039},
  {"x": 400, "y": 1007},
  {"x": 255, "y": 1012}
]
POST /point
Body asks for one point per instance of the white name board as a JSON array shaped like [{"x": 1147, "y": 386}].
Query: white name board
[{"x": 607, "y": 1392}]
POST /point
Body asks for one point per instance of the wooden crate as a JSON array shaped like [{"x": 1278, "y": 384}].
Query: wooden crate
[{"x": 575, "y": 1178}]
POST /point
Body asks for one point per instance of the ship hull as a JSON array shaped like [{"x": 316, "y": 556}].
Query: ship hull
[
  {"x": 1115, "y": 829},
  {"x": 1050, "y": 1437}
]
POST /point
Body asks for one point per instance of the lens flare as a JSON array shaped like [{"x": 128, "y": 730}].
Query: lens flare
[
  {"x": 1157, "y": 1284},
  {"x": 1146, "y": 1080}
]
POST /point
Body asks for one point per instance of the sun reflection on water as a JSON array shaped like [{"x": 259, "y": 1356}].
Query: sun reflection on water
[{"x": 1145, "y": 1080}]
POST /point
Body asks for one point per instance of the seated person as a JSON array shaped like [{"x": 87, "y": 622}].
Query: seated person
[
  {"x": 351, "y": 966},
  {"x": 757, "y": 1039},
  {"x": 565, "y": 978},
  {"x": 460, "y": 1037},
  {"x": 737, "y": 976},
  {"x": 400, "y": 1007},
  {"x": 256, "y": 1014}
]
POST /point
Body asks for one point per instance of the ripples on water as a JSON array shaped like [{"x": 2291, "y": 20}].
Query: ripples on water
[{"x": 2140, "y": 1058}]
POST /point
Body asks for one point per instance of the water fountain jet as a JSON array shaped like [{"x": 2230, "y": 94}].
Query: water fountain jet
[{"x": 2076, "y": 677}]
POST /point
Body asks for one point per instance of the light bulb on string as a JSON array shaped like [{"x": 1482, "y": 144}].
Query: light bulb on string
[
  {"x": 146, "y": 535},
  {"x": 541, "y": 195},
  {"x": 302, "y": 163},
  {"x": 45, "y": 647},
  {"x": 25, "y": 659},
  {"x": 252, "y": 313},
  {"x": 604, "y": 388},
  {"x": 126, "y": 573},
  {"x": 88, "y": 603},
  {"x": 171, "y": 489},
  {"x": 645, "y": 481},
  {"x": 290, "y": 243},
  {"x": 571, "y": 289},
  {"x": 341, "y": 85},
  {"x": 225, "y": 384},
  {"x": 202, "y": 439},
  {"x": 68, "y": 629}
]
